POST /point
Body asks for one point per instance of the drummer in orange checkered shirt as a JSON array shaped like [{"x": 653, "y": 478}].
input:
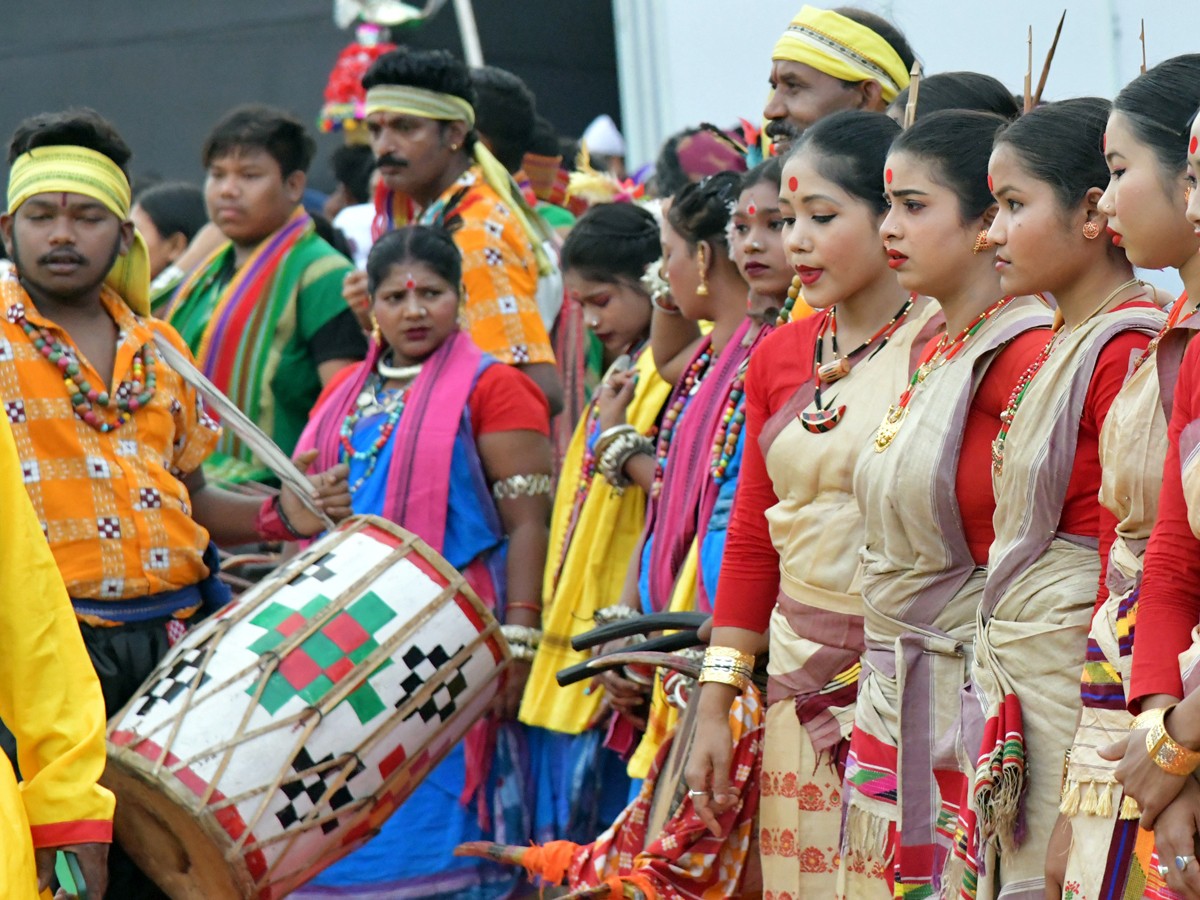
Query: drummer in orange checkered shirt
[{"x": 110, "y": 439}]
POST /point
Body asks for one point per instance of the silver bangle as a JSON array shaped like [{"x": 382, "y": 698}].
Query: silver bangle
[
  {"x": 617, "y": 454},
  {"x": 614, "y": 613},
  {"x": 605, "y": 439},
  {"x": 521, "y": 652},
  {"x": 521, "y": 486},
  {"x": 525, "y": 635}
]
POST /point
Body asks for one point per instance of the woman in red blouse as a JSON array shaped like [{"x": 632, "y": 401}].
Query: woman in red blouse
[
  {"x": 927, "y": 511},
  {"x": 815, "y": 393},
  {"x": 1145, "y": 146},
  {"x": 1046, "y": 564}
]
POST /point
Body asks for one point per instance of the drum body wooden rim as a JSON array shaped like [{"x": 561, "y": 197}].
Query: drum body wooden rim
[{"x": 277, "y": 737}]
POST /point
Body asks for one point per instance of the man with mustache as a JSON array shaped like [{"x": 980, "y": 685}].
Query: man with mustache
[
  {"x": 828, "y": 60},
  {"x": 421, "y": 121},
  {"x": 264, "y": 314},
  {"x": 110, "y": 441}
]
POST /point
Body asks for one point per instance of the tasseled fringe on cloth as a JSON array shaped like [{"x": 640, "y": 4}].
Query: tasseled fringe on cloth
[
  {"x": 866, "y": 833},
  {"x": 1000, "y": 806},
  {"x": 1095, "y": 798},
  {"x": 952, "y": 878}
]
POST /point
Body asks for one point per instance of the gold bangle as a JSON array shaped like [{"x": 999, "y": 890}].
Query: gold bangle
[
  {"x": 732, "y": 654},
  {"x": 735, "y": 678},
  {"x": 1168, "y": 754}
]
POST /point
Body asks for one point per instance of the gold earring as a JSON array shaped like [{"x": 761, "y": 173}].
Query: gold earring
[
  {"x": 702, "y": 265},
  {"x": 376, "y": 332},
  {"x": 454, "y": 147},
  {"x": 1091, "y": 230},
  {"x": 981, "y": 241}
]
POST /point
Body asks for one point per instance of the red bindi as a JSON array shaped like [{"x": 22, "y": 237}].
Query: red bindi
[
  {"x": 793, "y": 183},
  {"x": 991, "y": 184},
  {"x": 887, "y": 175},
  {"x": 751, "y": 209},
  {"x": 410, "y": 283},
  {"x": 1192, "y": 145}
]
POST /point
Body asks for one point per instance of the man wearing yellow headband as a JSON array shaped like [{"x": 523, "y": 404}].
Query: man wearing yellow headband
[
  {"x": 110, "y": 441},
  {"x": 421, "y": 122},
  {"x": 828, "y": 60}
]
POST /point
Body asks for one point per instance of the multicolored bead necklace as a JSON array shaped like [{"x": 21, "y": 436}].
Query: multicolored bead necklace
[
  {"x": 1018, "y": 392},
  {"x": 944, "y": 351},
  {"x": 793, "y": 294},
  {"x": 395, "y": 408},
  {"x": 730, "y": 427},
  {"x": 688, "y": 386},
  {"x": 827, "y": 418},
  {"x": 132, "y": 395}
]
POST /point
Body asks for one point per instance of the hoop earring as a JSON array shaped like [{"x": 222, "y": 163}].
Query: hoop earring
[
  {"x": 981, "y": 241},
  {"x": 1091, "y": 230},
  {"x": 702, "y": 265}
]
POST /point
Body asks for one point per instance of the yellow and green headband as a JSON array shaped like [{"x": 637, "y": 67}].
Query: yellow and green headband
[
  {"x": 68, "y": 169},
  {"x": 840, "y": 47},
  {"x": 414, "y": 101}
]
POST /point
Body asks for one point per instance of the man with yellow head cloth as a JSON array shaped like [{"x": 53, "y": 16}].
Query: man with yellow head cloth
[
  {"x": 421, "y": 121},
  {"x": 108, "y": 444},
  {"x": 833, "y": 59}
]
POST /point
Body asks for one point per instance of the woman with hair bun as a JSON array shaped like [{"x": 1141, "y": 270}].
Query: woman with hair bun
[
  {"x": 446, "y": 440},
  {"x": 1046, "y": 567},
  {"x": 927, "y": 512},
  {"x": 1154, "y": 162},
  {"x": 582, "y": 786},
  {"x": 816, "y": 391}
]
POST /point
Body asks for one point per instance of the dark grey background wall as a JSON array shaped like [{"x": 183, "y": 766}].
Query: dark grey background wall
[{"x": 165, "y": 70}]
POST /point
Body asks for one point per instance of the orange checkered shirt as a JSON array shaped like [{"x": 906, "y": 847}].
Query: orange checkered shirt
[
  {"x": 500, "y": 271},
  {"x": 112, "y": 505}
]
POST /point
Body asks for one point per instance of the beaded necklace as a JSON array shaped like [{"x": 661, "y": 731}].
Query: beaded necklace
[
  {"x": 1022, "y": 387},
  {"x": 942, "y": 353},
  {"x": 688, "y": 386},
  {"x": 395, "y": 408},
  {"x": 132, "y": 395},
  {"x": 827, "y": 418},
  {"x": 730, "y": 427},
  {"x": 793, "y": 293},
  {"x": 1177, "y": 315}
]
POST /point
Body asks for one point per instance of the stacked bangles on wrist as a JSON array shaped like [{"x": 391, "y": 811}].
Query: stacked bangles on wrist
[
  {"x": 1168, "y": 754},
  {"x": 614, "y": 613},
  {"x": 614, "y": 448},
  {"x": 727, "y": 665},
  {"x": 523, "y": 640}
]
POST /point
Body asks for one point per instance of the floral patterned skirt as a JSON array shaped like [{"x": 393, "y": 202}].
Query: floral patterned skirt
[{"x": 800, "y": 813}]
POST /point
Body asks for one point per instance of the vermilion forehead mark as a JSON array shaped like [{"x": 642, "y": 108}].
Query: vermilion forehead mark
[
  {"x": 887, "y": 175},
  {"x": 1192, "y": 145},
  {"x": 1104, "y": 141},
  {"x": 991, "y": 184},
  {"x": 63, "y": 201},
  {"x": 793, "y": 183},
  {"x": 751, "y": 209},
  {"x": 411, "y": 282}
]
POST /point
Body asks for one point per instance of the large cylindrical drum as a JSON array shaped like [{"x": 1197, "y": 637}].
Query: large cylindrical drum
[{"x": 277, "y": 736}]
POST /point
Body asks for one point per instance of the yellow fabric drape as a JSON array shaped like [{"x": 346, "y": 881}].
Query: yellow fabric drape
[
  {"x": 78, "y": 170},
  {"x": 49, "y": 697},
  {"x": 593, "y": 572},
  {"x": 663, "y": 716},
  {"x": 840, "y": 47}
]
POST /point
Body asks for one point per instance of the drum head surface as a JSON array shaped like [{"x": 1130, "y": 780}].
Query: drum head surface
[{"x": 182, "y": 851}]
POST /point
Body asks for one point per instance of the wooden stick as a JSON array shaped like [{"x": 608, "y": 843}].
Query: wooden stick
[
  {"x": 1142, "y": 37},
  {"x": 1029, "y": 73},
  {"x": 1037, "y": 96},
  {"x": 914, "y": 88}
]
